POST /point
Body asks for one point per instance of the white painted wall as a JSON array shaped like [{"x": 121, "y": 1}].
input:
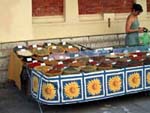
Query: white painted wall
[
  {"x": 72, "y": 24},
  {"x": 15, "y": 20}
]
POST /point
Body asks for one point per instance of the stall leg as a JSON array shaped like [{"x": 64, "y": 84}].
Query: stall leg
[{"x": 40, "y": 107}]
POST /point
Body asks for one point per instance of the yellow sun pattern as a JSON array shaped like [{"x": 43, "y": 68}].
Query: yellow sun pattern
[
  {"x": 48, "y": 91},
  {"x": 35, "y": 82},
  {"x": 114, "y": 83},
  {"x": 94, "y": 87},
  {"x": 148, "y": 78},
  {"x": 72, "y": 90},
  {"x": 134, "y": 80}
]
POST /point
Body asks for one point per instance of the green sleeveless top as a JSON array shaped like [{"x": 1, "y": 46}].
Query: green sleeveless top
[{"x": 132, "y": 38}]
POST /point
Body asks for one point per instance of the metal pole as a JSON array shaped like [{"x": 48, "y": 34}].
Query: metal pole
[{"x": 40, "y": 107}]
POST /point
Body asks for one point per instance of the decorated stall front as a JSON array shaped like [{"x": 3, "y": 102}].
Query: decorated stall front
[{"x": 83, "y": 87}]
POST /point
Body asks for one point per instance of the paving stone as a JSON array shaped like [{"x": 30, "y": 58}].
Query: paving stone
[
  {"x": 14, "y": 101},
  {"x": 3, "y": 76}
]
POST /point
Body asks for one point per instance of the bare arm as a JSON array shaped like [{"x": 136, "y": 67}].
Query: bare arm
[{"x": 128, "y": 25}]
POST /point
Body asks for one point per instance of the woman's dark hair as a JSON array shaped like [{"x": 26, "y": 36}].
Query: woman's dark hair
[{"x": 137, "y": 7}]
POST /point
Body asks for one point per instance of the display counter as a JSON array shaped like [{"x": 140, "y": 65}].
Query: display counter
[{"x": 84, "y": 86}]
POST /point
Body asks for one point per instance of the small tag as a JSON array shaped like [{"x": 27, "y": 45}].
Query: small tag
[
  {"x": 63, "y": 43},
  {"x": 128, "y": 60},
  {"x": 49, "y": 44},
  {"x": 107, "y": 59},
  {"x": 34, "y": 46},
  {"x": 19, "y": 46},
  {"x": 148, "y": 54},
  {"x": 34, "y": 61},
  {"x": 74, "y": 61},
  {"x": 112, "y": 54},
  {"x": 76, "y": 55},
  {"x": 91, "y": 60},
  {"x": 61, "y": 57},
  {"x": 67, "y": 57},
  {"x": 96, "y": 51},
  {"x": 108, "y": 48},
  {"x": 50, "y": 59},
  {"x": 137, "y": 51},
  {"x": 134, "y": 55},
  {"x": 97, "y": 64},
  {"x": 65, "y": 67},
  {"x": 54, "y": 47},
  {"x": 60, "y": 62},
  {"x": 121, "y": 56},
  {"x": 70, "y": 47},
  {"x": 125, "y": 51},
  {"x": 23, "y": 50},
  {"x": 45, "y": 58},
  {"x": 39, "y": 48},
  {"x": 113, "y": 63},
  {"x": 29, "y": 59},
  {"x": 43, "y": 64}
]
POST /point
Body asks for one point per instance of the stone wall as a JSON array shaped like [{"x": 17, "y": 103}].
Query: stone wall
[
  {"x": 55, "y": 7},
  {"x": 88, "y": 41},
  {"x": 148, "y": 5}
]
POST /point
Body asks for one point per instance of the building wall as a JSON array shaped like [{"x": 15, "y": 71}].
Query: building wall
[
  {"x": 15, "y": 20},
  {"x": 148, "y": 5},
  {"x": 47, "y": 7},
  {"x": 104, "y": 6},
  {"x": 55, "y": 7},
  {"x": 87, "y": 17},
  {"x": 64, "y": 18}
]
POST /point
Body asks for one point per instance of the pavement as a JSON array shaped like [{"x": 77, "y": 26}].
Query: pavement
[{"x": 14, "y": 101}]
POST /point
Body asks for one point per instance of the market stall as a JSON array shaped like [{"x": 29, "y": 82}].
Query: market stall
[{"x": 64, "y": 76}]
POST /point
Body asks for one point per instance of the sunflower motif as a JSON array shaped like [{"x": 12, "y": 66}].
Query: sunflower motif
[
  {"x": 94, "y": 87},
  {"x": 114, "y": 83},
  {"x": 72, "y": 90},
  {"x": 148, "y": 77},
  {"x": 134, "y": 80},
  {"x": 48, "y": 91},
  {"x": 35, "y": 84}
]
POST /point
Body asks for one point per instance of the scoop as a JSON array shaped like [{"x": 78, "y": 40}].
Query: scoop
[{"x": 145, "y": 30}]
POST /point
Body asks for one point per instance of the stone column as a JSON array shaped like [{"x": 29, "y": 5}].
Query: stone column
[{"x": 71, "y": 11}]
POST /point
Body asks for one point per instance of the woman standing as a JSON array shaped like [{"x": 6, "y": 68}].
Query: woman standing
[{"x": 132, "y": 26}]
